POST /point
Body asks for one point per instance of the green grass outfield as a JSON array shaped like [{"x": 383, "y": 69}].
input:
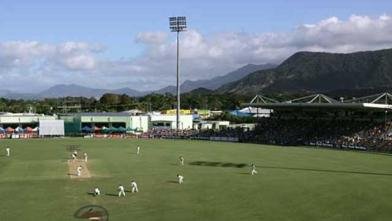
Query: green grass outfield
[{"x": 292, "y": 184}]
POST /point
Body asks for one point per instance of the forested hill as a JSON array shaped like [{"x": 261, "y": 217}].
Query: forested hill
[{"x": 319, "y": 72}]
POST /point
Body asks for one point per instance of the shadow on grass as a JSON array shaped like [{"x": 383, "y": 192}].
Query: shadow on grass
[
  {"x": 111, "y": 194},
  {"x": 172, "y": 181},
  {"x": 328, "y": 171},
  {"x": 217, "y": 164},
  {"x": 91, "y": 193},
  {"x": 241, "y": 165}
]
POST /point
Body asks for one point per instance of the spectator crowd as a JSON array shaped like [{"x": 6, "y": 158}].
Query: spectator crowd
[{"x": 333, "y": 133}]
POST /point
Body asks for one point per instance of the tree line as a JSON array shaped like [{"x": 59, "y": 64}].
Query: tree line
[{"x": 121, "y": 102}]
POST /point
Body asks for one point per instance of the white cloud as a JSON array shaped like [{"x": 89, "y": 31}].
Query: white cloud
[
  {"x": 72, "y": 55},
  {"x": 80, "y": 62},
  {"x": 151, "y": 37},
  {"x": 201, "y": 56}
]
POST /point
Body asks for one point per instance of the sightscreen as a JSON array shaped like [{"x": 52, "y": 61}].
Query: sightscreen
[{"x": 51, "y": 128}]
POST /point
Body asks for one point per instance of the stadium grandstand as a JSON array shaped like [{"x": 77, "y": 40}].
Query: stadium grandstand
[{"x": 318, "y": 120}]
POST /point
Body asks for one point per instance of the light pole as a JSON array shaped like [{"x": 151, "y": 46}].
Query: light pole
[{"x": 178, "y": 24}]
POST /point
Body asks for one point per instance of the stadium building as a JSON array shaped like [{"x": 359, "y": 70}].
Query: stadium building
[
  {"x": 168, "y": 121},
  {"x": 27, "y": 125},
  {"x": 214, "y": 125},
  {"x": 104, "y": 123}
]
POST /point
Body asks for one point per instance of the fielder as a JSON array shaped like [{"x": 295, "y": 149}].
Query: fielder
[
  {"x": 138, "y": 150},
  {"x": 79, "y": 170},
  {"x": 85, "y": 157},
  {"x": 182, "y": 160},
  {"x": 180, "y": 179},
  {"x": 8, "y": 151},
  {"x": 121, "y": 190},
  {"x": 134, "y": 187},
  {"x": 74, "y": 155},
  {"x": 253, "y": 171},
  {"x": 97, "y": 192}
]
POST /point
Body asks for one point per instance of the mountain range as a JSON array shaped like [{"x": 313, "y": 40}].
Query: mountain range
[
  {"x": 311, "y": 72},
  {"x": 64, "y": 90},
  {"x": 216, "y": 82},
  {"x": 74, "y": 90}
]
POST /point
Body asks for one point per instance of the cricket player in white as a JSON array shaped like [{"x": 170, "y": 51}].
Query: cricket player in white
[
  {"x": 97, "y": 192},
  {"x": 180, "y": 179},
  {"x": 74, "y": 155},
  {"x": 8, "y": 150},
  {"x": 253, "y": 171},
  {"x": 85, "y": 157},
  {"x": 79, "y": 170},
  {"x": 134, "y": 187},
  {"x": 182, "y": 160},
  {"x": 121, "y": 190},
  {"x": 138, "y": 150}
]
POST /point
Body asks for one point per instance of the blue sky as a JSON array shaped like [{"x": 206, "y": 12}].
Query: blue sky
[{"x": 115, "y": 25}]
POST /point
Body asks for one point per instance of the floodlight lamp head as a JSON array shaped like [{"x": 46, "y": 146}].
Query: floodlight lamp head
[{"x": 177, "y": 24}]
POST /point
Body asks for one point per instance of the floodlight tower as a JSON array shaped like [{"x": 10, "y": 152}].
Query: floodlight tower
[{"x": 178, "y": 24}]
